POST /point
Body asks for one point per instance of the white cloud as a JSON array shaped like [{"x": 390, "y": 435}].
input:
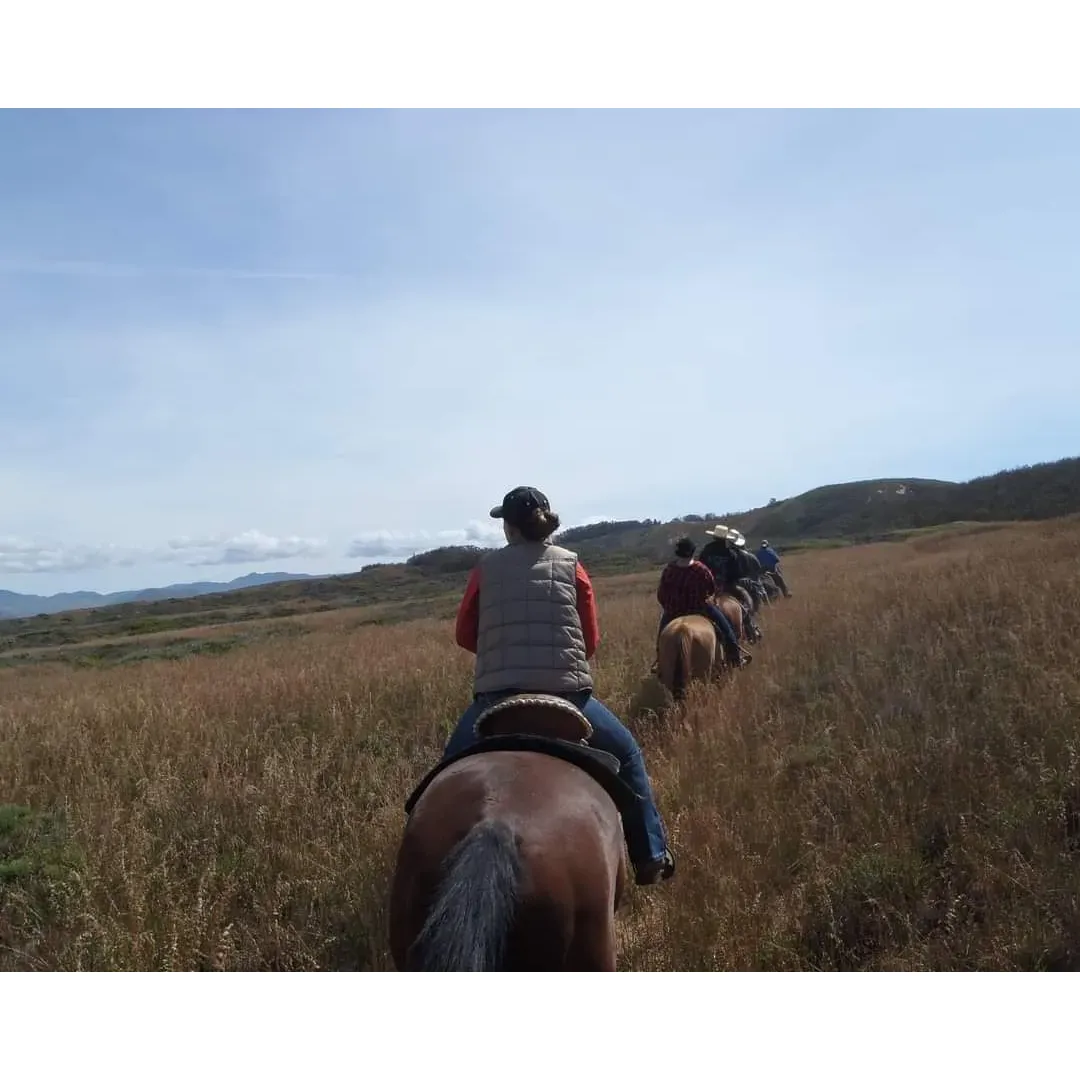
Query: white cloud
[
  {"x": 387, "y": 544},
  {"x": 21, "y": 556},
  {"x": 383, "y": 543},
  {"x": 18, "y": 556},
  {"x": 249, "y": 547}
]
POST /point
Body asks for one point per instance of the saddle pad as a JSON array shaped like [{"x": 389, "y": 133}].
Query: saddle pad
[{"x": 599, "y": 764}]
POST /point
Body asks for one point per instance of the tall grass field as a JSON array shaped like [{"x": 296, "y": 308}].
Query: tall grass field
[{"x": 894, "y": 783}]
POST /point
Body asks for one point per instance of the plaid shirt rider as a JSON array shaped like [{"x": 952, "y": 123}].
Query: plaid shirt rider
[{"x": 685, "y": 590}]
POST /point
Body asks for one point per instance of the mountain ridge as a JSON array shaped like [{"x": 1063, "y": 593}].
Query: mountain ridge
[{"x": 15, "y": 605}]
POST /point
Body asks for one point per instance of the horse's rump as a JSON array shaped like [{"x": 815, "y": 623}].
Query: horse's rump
[
  {"x": 511, "y": 860},
  {"x": 742, "y": 600},
  {"x": 686, "y": 650}
]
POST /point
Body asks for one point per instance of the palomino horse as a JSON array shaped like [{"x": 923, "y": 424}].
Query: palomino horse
[
  {"x": 687, "y": 648},
  {"x": 513, "y": 856}
]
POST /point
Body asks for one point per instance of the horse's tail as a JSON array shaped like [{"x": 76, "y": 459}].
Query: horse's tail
[
  {"x": 474, "y": 905},
  {"x": 665, "y": 661},
  {"x": 683, "y": 660}
]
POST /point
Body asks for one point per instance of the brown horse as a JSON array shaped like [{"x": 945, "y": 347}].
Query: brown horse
[
  {"x": 733, "y": 610},
  {"x": 687, "y": 648},
  {"x": 747, "y": 628},
  {"x": 513, "y": 858}
]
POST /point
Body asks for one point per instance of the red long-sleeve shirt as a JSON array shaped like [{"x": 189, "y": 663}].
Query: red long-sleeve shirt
[
  {"x": 684, "y": 590},
  {"x": 467, "y": 628}
]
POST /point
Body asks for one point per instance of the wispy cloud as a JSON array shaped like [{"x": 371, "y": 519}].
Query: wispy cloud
[
  {"x": 382, "y": 543},
  {"x": 21, "y": 556},
  {"x": 249, "y": 547},
  {"x": 18, "y": 556},
  {"x": 68, "y": 268}
]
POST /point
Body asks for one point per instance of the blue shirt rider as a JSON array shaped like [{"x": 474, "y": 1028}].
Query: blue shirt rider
[
  {"x": 770, "y": 562},
  {"x": 767, "y": 556}
]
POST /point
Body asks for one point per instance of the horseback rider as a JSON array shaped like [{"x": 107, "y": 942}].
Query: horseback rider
[
  {"x": 770, "y": 561},
  {"x": 686, "y": 588},
  {"x": 529, "y": 615},
  {"x": 722, "y": 556},
  {"x": 716, "y": 555},
  {"x": 750, "y": 568},
  {"x": 749, "y": 571}
]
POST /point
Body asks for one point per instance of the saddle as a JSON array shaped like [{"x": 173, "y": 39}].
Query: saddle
[{"x": 541, "y": 724}]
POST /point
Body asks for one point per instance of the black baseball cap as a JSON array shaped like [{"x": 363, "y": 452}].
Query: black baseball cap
[{"x": 518, "y": 505}]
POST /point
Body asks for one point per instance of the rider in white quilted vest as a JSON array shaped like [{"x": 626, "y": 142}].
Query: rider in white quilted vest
[{"x": 529, "y": 614}]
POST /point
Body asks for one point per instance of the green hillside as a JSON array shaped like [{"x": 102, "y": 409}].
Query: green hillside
[{"x": 857, "y": 512}]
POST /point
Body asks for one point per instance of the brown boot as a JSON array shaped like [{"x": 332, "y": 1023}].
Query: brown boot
[{"x": 736, "y": 656}]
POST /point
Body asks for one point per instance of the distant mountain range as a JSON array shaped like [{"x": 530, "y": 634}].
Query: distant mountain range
[{"x": 15, "y": 605}]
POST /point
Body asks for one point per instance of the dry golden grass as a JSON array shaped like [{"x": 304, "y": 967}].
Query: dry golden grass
[{"x": 894, "y": 783}]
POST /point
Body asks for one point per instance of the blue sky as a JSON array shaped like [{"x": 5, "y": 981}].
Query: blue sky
[{"x": 239, "y": 341}]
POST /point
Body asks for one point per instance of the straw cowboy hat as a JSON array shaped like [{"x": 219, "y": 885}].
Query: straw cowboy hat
[{"x": 725, "y": 532}]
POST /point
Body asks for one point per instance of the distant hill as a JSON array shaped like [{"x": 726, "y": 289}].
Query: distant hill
[
  {"x": 15, "y": 605},
  {"x": 857, "y": 512}
]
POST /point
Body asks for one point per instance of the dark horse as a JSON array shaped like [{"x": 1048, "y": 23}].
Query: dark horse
[
  {"x": 759, "y": 593},
  {"x": 772, "y": 590},
  {"x": 513, "y": 857}
]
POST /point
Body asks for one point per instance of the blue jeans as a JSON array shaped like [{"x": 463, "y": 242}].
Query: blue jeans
[
  {"x": 718, "y": 619},
  {"x": 645, "y": 835}
]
